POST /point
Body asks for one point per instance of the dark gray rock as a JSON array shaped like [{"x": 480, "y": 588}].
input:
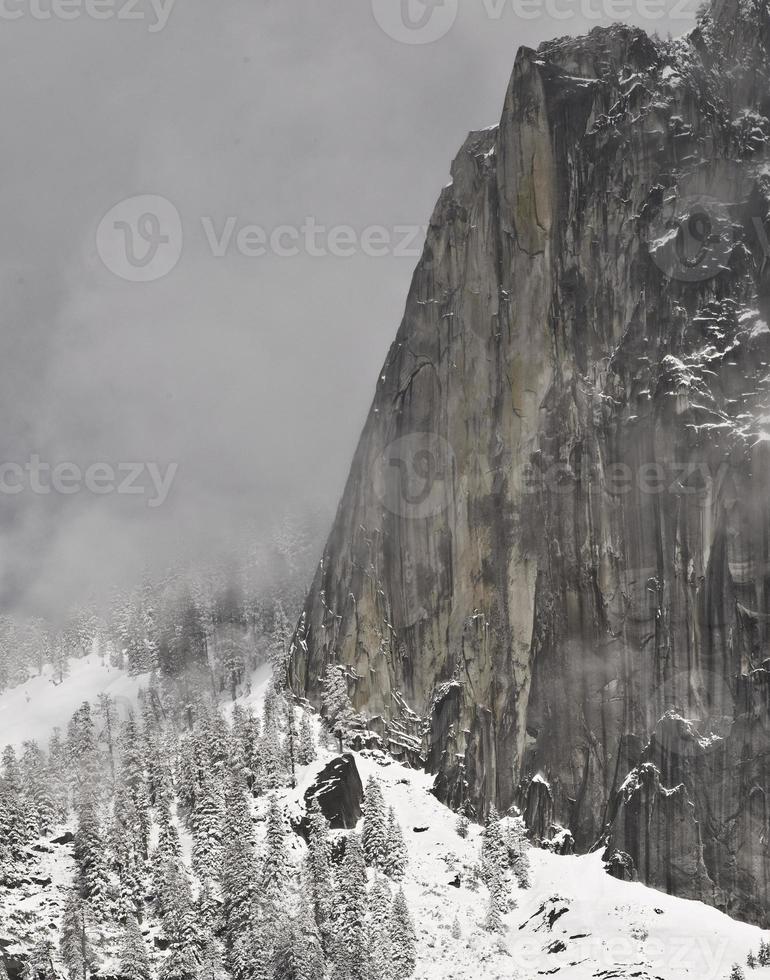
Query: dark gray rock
[
  {"x": 552, "y": 554},
  {"x": 339, "y": 792}
]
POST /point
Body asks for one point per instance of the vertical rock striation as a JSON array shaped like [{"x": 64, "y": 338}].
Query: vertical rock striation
[{"x": 549, "y": 575}]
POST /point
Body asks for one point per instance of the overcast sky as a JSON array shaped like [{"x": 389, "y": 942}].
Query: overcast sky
[{"x": 251, "y": 373}]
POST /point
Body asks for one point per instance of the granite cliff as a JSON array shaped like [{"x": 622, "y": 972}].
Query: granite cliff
[{"x": 548, "y": 580}]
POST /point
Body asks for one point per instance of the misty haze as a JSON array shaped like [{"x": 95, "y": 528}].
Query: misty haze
[{"x": 385, "y": 490}]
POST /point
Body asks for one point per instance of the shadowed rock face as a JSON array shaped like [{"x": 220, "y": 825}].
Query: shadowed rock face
[
  {"x": 548, "y": 575},
  {"x": 339, "y": 793}
]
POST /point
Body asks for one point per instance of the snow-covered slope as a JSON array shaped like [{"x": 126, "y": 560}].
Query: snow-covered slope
[
  {"x": 574, "y": 921},
  {"x": 33, "y": 709}
]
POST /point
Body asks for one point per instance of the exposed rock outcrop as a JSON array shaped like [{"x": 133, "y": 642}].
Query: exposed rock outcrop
[
  {"x": 549, "y": 573},
  {"x": 339, "y": 793}
]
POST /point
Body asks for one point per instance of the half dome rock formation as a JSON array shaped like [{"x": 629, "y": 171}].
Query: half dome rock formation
[{"x": 549, "y": 575}]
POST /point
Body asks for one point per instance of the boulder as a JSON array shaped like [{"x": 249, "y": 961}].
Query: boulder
[{"x": 339, "y": 792}]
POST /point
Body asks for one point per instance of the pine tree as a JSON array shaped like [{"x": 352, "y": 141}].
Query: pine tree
[
  {"x": 751, "y": 960},
  {"x": 76, "y": 948},
  {"x": 380, "y": 965},
  {"x": 307, "y": 749},
  {"x": 311, "y": 962},
  {"x": 403, "y": 938},
  {"x": 350, "y": 930},
  {"x": 10, "y": 771},
  {"x": 396, "y": 858},
  {"x": 518, "y": 856},
  {"x": 34, "y": 768},
  {"x": 319, "y": 872},
  {"x": 456, "y": 930},
  {"x": 274, "y": 865},
  {"x": 764, "y": 953},
  {"x": 335, "y": 700},
  {"x": 82, "y": 750},
  {"x": 207, "y": 824},
  {"x": 108, "y": 717},
  {"x": 56, "y": 776},
  {"x": 134, "y": 961},
  {"x": 737, "y": 973},
  {"x": 494, "y": 849},
  {"x": 89, "y": 854},
  {"x": 179, "y": 964},
  {"x": 41, "y": 960},
  {"x": 462, "y": 826},
  {"x": 245, "y": 743},
  {"x": 374, "y": 835},
  {"x": 494, "y": 918},
  {"x": 239, "y": 875}
]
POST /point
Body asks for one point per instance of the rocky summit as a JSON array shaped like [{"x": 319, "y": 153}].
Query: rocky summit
[{"x": 548, "y": 581}]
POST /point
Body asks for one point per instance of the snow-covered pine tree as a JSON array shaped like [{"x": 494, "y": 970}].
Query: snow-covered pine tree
[
  {"x": 207, "y": 822},
  {"x": 374, "y": 835},
  {"x": 82, "y": 750},
  {"x": 273, "y": 763},
  {"x": 462, "y": 826},
  {"x": 107, "y": 714},
  {"x": 245, "y": 743},
  {"x": 311, "y": 963},
  {"x": 239, "y": 876},
  {"x": 319, "y": 869},
  {"x": 178, "y": 916},
  {"x": 56, "y": 776},
  {"x": 280, "y": 638},
  {"x": 34, "y": 768},
  {"x": 180, "y": 963},
  {"x": 306, "y": 752},
  {"x": 8, "y": 860},
  {"x": 89, "y": 854},
  {"x": 335, "y": 700},
  {"x": 396, "y": 857},
  {"x": 76, "y": 947},
  {"x": 380, "y": 965},
  {"x": 275, "y": 871},
  {"x": 751, "y": 960},
  {"x": 134, "y": 961},
  {"x": 764, "y": 953},
  {"x": 518, "y": 853},
  {"x": 292, "y": 740},
  {"x": 403, "y": 938},
  {"x": 495, "y": 902},
  {"x": 350, "y": 932},
  {"x": 297, "y": 953},
  {"x": 250, "y": 957},
  {"x": 456, "y": 930},
  {"x": 40, "y": 963},
  {"x": 494, "y": 849},
  {"x": 736, "y": 973},
  {"x": 10, "y": 771}
]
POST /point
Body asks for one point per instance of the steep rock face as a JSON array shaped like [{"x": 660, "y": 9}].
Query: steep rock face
[{"x": 548, "y": 578}]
